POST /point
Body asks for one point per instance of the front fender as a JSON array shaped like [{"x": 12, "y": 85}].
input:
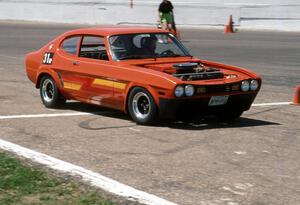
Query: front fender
[{"x": 155, "y": 92}]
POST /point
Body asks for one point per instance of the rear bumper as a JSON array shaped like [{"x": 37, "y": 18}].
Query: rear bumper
[{"x": 170, "y": 108}]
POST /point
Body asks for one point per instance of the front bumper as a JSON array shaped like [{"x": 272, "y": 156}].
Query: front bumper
[{"x": 170, "y": 108}]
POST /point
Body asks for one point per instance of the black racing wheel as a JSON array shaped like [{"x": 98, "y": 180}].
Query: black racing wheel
[
  {"x": 50, "y": 95},
  {"x": 141, "y": 106}
]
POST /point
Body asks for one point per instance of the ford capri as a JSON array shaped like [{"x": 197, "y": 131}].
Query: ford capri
[{"x": 145, "y": 72}]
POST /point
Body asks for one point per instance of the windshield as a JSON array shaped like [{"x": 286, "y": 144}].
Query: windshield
[{"x": 147, "y": 45}]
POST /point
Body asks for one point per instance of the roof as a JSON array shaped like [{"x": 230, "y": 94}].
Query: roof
[{"x": 114, "y": 30}]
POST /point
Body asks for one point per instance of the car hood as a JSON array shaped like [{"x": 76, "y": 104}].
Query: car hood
[{"x": 193, "y": 69}]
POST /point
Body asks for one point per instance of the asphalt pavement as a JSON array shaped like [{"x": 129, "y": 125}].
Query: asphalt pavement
[{"x": 254, "y": 161}]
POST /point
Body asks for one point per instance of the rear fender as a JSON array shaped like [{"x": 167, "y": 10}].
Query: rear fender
[{"x": 47, "y": 71}]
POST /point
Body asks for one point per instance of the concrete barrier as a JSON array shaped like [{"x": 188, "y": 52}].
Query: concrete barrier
[{"x": 259, "y": 14}]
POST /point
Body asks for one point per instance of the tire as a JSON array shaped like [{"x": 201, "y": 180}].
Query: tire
[
  {"x": 230, "y": 115},
  {"x": 50, "y": 95},
  {"x": 141, "y": 106}
]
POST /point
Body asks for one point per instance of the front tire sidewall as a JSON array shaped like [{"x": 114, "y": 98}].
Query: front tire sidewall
[{"x": 152, "y": 114}]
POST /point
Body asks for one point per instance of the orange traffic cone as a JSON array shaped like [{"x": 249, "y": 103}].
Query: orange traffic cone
[
  {"x": 229, "y": 27},
  {"x": 297, "y": 96}
]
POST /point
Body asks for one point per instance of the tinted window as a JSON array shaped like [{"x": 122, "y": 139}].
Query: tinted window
[
  {"x": 70, "y": 45},
  {"x": 93, "y": 47},
  {"x": 145, "y": 45}
]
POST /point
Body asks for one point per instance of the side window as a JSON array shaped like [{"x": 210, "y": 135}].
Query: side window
[
  {"x": 93, "y": 47},
  {"x": 69, "y": 45}
]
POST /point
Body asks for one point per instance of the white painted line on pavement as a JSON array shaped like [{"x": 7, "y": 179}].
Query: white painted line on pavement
[
  {"x": 3, "y": 117},
  {"x": 93, "y": 178},
  {"x": 271, "y": 104}
]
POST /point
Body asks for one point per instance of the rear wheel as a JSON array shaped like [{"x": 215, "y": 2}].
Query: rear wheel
[
  {"x": 141, "y": 106},
  {"x": 50, "y": 95}
]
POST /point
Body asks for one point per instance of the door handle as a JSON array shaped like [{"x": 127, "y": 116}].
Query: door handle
[{"x": 75, "y": 62}]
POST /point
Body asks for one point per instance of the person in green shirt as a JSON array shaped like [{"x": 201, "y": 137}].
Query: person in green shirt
[{"x": 165, "y": 11}]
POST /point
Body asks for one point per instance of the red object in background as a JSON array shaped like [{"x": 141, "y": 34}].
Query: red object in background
[
  {"x": 229, "y": 26},
  {"x": 176, "y": 33},
  {"x": 297, "y": 96}
]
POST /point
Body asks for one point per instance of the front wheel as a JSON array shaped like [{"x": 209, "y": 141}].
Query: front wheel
[
  {"x": 50, "y": 94},
  {"x": 141, "y": 106}
]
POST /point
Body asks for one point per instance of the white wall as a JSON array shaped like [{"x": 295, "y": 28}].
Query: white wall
[{"x": 265, "y": 14}]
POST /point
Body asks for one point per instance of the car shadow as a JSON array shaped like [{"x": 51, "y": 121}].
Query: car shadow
[
  {"x": 95, "y": 109},
  {"x": 214, "y": 123},
  {"x": 89, "y": 108},
  {"x": 184, "y": 123}
]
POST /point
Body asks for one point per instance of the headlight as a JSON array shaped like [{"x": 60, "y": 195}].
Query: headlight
[
  {"x": 253, "y": 85},
  {"x": 245, "y": 86},
  {"x": 189, "y": 90},
  {"x": 179, "y": 91}
]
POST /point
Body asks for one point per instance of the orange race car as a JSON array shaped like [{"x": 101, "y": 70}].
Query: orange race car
[{"x": 146, "y": 72}]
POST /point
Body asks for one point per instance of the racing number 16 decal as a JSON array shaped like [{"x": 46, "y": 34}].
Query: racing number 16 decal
[{"x": 48, "y": 57}]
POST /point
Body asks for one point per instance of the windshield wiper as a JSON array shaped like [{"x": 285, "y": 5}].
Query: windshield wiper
[
  {"x": 173, "y": 55},
  {"x": 137, "y": 57},
  {"x": 130, "y": 57},
  {"x": 151, "y": 56}
]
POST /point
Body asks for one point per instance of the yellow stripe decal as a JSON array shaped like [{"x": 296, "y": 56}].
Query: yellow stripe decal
[
  {"x": 109, "y": 83},
  {"x": 120, "y": 86},
  {"x": 72, "y": 86},
  {"x": 104, "y": 82}
]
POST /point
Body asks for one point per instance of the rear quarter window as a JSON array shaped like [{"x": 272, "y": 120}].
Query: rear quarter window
[
  {"x": 93, "y": 47},
  {"x": 70, "y": 45}
]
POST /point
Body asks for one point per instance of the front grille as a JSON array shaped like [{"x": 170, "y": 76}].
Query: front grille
[{"x": 217, "y": 88}]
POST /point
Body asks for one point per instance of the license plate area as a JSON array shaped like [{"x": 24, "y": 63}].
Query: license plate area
[{"x": 218, "y": 100}]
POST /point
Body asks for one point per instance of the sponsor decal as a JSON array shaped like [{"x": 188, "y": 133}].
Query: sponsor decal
[{"x": 48, "y": 58}]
